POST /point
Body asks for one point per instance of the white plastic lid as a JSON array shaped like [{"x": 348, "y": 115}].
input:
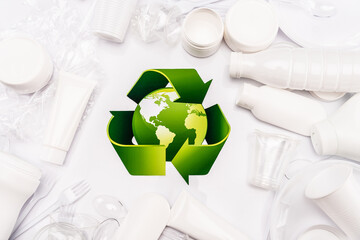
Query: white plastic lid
[
  {"x": 327, "y": 96},
  {"x": 19, "y": 165},
  {"x": 322, "y": 233},
  {"x": 25, "y": 65},
  {"x": 324, "y": 138},
  {"x": 203, "y": 31},
  {"x": 250, "y": 26},
  {"x": 54, "y": 155},
  {"x": 247, "y": 96}
]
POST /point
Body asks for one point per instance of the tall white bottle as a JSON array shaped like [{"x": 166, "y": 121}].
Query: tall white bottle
[
  {"x": 281, "y": 108},
  {"x": 300, "y": 69},
  {"x": 340, "y": 134}
]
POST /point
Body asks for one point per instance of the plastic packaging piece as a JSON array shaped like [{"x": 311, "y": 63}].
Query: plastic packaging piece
[
  {"x": 317, "y": 8},
  {"x": 327, "y": 96},
  {"x": 300, "y": 68},
  {"x": 192, "y": 217},
  {"x": 322, "y": 232},
  {"x": 106, "y": 230},
  {"x": 337, "y": 193},
  {"x": 25, "y": 65},
  {"x": 71, "y": 99},
  {"x": 173, "y": 234},
  {"x": 60, "y": 231},
  {"x": 250, "y": 26},
  {"x": 146, "y": 219},
  {"x": 203, "y": 32},
  {"x": 281, "y": 108},
  {"x": 112, "y": 18},
  {"x": 271, "y": 155},
  {"x": 109, "y": 207},
  {"x": 18, "y": 181},
  {"x": 339, "y": 134},
  {"x": 158, "y": 21}
]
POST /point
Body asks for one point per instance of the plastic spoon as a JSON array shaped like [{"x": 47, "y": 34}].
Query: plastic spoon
[{"x": 318, "y": 8}]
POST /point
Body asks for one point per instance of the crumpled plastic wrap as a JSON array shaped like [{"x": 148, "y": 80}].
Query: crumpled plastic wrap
[{"x": 71, "y": 46}]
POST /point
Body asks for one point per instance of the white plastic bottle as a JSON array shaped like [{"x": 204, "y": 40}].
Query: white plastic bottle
[
  {"x": 281, "y": 108},
  {"x": 18, "y": 181},
  {"x": 340, "y": 134},
  {"x": 300, "y": 68}
]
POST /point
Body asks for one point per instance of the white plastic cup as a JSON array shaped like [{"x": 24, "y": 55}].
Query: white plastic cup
[
  {"x": 112, "y": 18},
  {"x": 337, "y": 193},
  {"x": 270, "y": 157}
]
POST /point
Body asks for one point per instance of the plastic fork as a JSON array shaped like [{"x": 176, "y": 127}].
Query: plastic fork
[
  {"x": 47, "y": 183},
  {"x": 67, "y": 197}
]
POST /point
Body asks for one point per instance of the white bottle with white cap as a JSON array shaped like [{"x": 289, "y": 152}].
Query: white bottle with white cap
[
  {"x": 281, "y": 108},
  {"x": 18, "y": 181},
  {"x": 300, "y": 68},
  {"x": 340, "y": 134}
]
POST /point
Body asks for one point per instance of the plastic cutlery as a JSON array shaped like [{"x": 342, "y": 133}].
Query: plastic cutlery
[
  {"x": 67, "y": 197},
  {"x": 47, "y": 183}
]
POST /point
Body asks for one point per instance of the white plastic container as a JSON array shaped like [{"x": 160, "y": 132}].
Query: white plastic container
[
  {"x": 203, "y": 32},
  {"x": 72, "y": 96},
  {"x": 193, "y": 218},
  {"x": 250, "y": 26},
  {"x": 25, "y": 65},
  {"x": 281, "y": 108},
  {"x": 300, "y": 68},
  {"x": 339, "y": 134},
  {"x": 18, "y": 181},
  {"x": 146, "y": 219},
  {"x": 112, "y": 18},
  {"x": 337, "y": 193}
]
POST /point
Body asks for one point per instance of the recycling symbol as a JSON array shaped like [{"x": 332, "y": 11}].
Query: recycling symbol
[{"x": 169, "y": 124}]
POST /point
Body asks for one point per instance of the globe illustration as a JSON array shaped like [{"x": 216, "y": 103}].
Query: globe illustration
[{"x": 158, "y": 120}]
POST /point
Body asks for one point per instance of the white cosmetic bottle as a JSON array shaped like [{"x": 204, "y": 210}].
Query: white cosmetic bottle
[
  {"x": 300, "y": 69},
  {"x": 18, "y": 181},
  {"x": 281, "y": 108},
  {"x": 339, "y": 135}
]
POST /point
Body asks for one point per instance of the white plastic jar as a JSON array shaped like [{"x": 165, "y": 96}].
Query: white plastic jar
[{"x": 18, "y": 181}]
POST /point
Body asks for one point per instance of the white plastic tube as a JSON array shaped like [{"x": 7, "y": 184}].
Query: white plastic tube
[
  {"x": 146, "y": 219},
  {"x": 281, "y": 108},
  {"x": 72, "y": 96},
  {"x": 18, "y": 181},
  {"x": 300, "y": 68},
  {"x": 339, "y": 134},
  {"x": 193, "y": 218}
]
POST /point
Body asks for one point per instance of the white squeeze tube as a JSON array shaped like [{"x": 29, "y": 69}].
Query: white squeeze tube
[
  {"x": 340, "y": 133},
  {"x": 193, "y": 218},
  {"x": 71, "y": 98},
  {"x": 300, "y": 69},
  {"x": 281, "y": 108}
]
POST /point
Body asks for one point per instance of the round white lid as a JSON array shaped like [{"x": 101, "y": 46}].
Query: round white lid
[
  {"x": 322, "y": 233},
  {"x": 250, "y": 26},
  {"x": 203, "y": 28},
  {"x": 25, "y": 65},
  {"x": 327, "y": 96}
]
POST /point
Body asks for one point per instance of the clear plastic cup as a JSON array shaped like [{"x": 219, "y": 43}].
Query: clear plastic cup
[{"x": 270, "y": 156}]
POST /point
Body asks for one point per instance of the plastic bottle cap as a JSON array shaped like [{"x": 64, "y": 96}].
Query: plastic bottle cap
[
  {"x": 250, "y": 26},
  {"x": 324, "y": 138},
  {"x": 54, "y": 155},
  {"x": 327, "y": 96},
  {"x": 203, "y": 31},
  {"x": 235, "y": 65},
  {"x": 25, "y": 65},
  {"x": 247, "y": 96}
]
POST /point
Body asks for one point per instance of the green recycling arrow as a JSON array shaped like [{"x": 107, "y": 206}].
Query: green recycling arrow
[{"x": 151, "y": 159}]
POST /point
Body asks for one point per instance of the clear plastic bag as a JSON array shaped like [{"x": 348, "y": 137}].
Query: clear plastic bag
[{"x": 72, "y": 48}]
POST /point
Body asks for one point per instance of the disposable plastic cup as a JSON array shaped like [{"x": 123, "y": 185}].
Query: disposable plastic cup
[
  {"x": 271, "y": 154},
  {"x": 337, "y": 193},
  {"x": 112, "y": 18}
]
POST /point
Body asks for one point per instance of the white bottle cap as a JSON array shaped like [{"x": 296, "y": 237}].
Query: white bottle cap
[
  {"x": 250, "y": 26},
  {"x": 247, "y": 96},
  {"x": 54, "y": 155},
  {"x": 25, "y": 65},
  {"x": 203, "y": 31},
  {"x": 324, "y": 138},
  {"x": 236, "y": 65}
]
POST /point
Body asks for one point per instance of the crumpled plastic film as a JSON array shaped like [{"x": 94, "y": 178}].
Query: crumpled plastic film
[{"x": 72, "y": 48}]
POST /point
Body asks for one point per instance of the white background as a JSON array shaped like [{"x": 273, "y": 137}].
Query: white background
[{"x": 225, "y": 189}]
